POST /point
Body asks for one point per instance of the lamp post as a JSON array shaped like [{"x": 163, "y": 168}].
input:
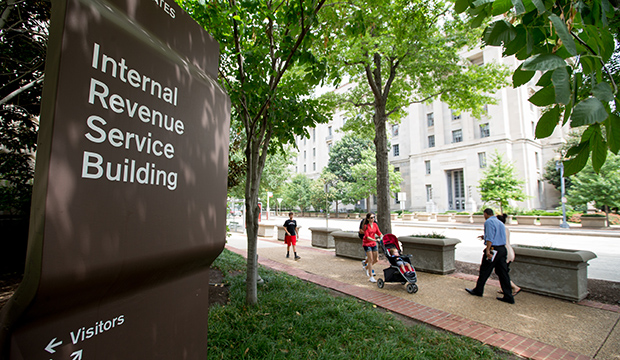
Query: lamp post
[
  {"x": 559, "y": 165},
  {"x": 326, "y": 207}
]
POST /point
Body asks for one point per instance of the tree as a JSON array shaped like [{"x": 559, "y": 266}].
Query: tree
[
  {"x": 552, "y": 174},
  {"x": 296, "y": 193},
  {"x": 602, "y": 188},
  {"x": 398, "y": 53},
  {"x": 268, "y": 73},
  {"x": 23, "y": 44},
  {"x": 500, "y": 184},
  {"x": 571, "y": 43},
  {"x": 365, "y": 179}
]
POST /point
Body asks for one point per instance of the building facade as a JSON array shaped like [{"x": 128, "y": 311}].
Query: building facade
[{"x": 442, "y": 154}]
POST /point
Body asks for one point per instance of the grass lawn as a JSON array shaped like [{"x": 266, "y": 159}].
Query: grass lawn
[{"x": 299, "y": 320}]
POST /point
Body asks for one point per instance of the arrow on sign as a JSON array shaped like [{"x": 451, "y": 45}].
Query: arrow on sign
[
  {"x": 77, "y": 355},
  {"x": 50, "y": 347}
]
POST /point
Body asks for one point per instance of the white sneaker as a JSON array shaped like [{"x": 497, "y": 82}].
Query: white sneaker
[
  {"x": 372, "y": 280},
  {"x": 367, "y": 273}
]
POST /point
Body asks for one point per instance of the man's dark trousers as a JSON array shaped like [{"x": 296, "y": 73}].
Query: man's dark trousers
[{"x": 501, "y": 269}]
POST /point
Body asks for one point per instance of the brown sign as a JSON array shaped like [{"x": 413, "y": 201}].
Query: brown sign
[{"x": 129, "y": 201}]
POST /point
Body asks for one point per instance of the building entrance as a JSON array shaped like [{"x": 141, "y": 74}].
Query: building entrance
[{"x": 456, "y": 190}]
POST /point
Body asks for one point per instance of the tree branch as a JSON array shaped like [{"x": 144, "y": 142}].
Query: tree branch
[
  {"x": 22, "y": 89},
  {"x": 600, "y": 59}
]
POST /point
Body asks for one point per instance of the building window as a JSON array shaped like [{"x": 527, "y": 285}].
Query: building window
[
  {"x": 484, "y": 130},
  {"x": 396, "y": 201},
  {"x": 430, "y": 119},
  {"x": 396, "y": 149},
  {"x": 304, "y": 141},
  {"x": 397, "y": 169},
  {"x": 313, "y": 135},
  {"x": 482, "y": 160},
  {"x": 537, "y": 159},
  {"x": 304, "y": 154},
  {"x": 329, "y": 130},
  {"x": 313, "y": 153},
  {"x": 304, "y": 167},
  {"x": 455, "y": 115},
  {"x": 313, "y": 166},
  {"x": 427, "y": 165},
  {"x": 429, "y": 192},
  {"x": 329, "y": 147},
  {"x": 395, "y": 130},
  {"x": 457, "y": 136},
  {"x": 431, "y": 141}
]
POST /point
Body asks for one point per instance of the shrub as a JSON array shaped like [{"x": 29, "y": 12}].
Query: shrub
[
  {"x": 463, "y": 213},
  {"x": 433, "y": 235}
]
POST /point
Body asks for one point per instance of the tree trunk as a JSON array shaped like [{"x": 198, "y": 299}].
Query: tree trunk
[{"x": 383, "y": 181}]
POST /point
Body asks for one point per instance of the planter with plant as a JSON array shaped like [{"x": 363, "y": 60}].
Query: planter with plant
[
  {"x": 433, "y": 253},
  {"x": 527, "y": 218},
  {"x": 322, "y": 237},
  {"x": 445, "y": 217},
  {"x": 549, "y": 218},
  {"x": 462, "y": 217},
  {"x": 478, "y": 217},
  {"x": 348, "y": 244},
  {"x": 560, "y": 273},
  {"x": 593, "y": 221},
  {"x": 424, "y": 216}
]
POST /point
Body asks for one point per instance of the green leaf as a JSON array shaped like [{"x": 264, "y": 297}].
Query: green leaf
[
  {"x": 589, "y": 111},
  {"x": 613, "y": 133},
  {"x": 603, "y": 92},
  {"x": 577, "y": 163},
  {"x": 598, "y": 147},
  {"x": 544, "y": 96},
  {"x": 564, "y": 34},
  {"x": 545, "y": 79},
  {"x": 540, "y": 6},
  {"x": 481, "y": 2},
  {"x": 567, "y": 112},
  {"x": 501, "y": 6},
  {"x": 518, "y": 43},
  {"x": 547, "y": 123},
  {"x": 544, "y": 62},
  {"x": 561, "y": 82},
  {"x": 461, "y": 5},
  {"x": 521, "y": 77},
  {"x": 519, "y": 7},
  {"x": 499, "y": 33}
]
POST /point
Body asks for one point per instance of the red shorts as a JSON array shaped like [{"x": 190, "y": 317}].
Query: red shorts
[{"x": 290, "y": 239}]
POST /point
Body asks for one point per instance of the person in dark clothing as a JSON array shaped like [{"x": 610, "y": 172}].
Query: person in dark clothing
[
  {"x": 494, "y": 258},
  {"x": 290, "y": 239}
]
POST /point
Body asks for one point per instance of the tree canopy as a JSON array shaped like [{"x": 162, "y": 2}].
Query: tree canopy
[
  {"x": 570, "y": 43},
  {"x": 397, "y": 53},
  {"x": 268, "y": 71}
]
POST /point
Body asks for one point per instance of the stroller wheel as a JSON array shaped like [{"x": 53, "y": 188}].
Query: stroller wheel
[
  {"x": 380, "y": 283},
  {"x": 412, "y": 288}
]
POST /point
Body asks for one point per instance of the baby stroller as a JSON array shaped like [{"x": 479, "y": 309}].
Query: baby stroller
[{"x": 394, "y": 274}]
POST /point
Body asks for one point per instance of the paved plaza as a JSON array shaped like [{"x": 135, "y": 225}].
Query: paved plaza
[{"x": 536, "y": 327}]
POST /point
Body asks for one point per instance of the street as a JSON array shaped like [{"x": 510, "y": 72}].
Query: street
[{"x": 607, "y": 249}]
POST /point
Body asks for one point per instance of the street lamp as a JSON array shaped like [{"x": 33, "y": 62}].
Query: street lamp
[{"x": 559, "y": 165}]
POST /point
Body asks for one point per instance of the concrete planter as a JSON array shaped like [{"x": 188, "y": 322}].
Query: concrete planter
[
  {"x": 321, "y": 237},
  {"x": 466, "y": 219},
  {"x": 408, "y": 217},
  {"x": 266, "y": 230},
  {"x": 348, "y": 244},
  {"x": 431, "y": 255},
  {"x": 424, "y": 216},
  {"x": 559, "y": 273},
  {"x": 281, "y": 233},
  {"x": 593, "y": 222},
  {"x": 526, "y": 219},
  {"x": 444, "y": 217},
  {"x": 554, "y": 221},
  {"x": 478, "y": 219},
  {"x": 394, "y": 216}
]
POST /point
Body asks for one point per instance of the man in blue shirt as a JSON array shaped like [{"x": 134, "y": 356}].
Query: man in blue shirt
[{"x": 494, "y": 258}]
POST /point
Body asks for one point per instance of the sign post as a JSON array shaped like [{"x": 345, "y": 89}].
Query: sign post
[{"x": 134, "y": 128}]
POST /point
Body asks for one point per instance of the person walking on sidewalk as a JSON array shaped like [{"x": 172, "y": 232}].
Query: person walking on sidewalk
[
  {"x": 494, "y": 258},
  {"x": 369, "y": 243},
  {"x": 361, "y": 232},
  {"x": 290, "y": 239}
]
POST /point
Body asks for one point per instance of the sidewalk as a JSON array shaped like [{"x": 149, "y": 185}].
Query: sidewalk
[{"x": 536, "y": 327}]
